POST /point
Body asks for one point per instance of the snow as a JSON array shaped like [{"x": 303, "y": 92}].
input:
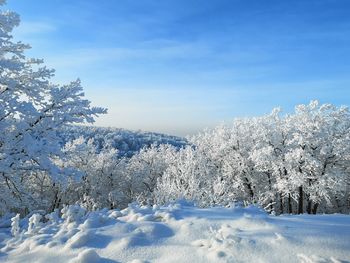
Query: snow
[{"x": 179, "y": 232}]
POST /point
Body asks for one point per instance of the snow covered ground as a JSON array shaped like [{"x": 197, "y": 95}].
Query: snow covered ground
[{"x": 177, "y": 233}]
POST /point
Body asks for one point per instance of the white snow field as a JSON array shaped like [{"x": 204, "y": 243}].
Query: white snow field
[{"x": 176, "y": 233}]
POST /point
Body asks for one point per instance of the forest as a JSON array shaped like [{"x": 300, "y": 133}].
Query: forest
[
  {"x": 292, "y": 163},
  {"x": 271, "y": 188}
]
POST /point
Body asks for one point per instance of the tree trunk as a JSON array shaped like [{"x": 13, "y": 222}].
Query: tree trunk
[
  {"x": 249, "y": 186},
  {"x": 309, "y": 206},
  {"x": 55, "y": 202},
  {"x": 301, "y": 200},
  {"x": 314, "y": 210},
  {"x": 290, "y": 205},
  {"x": 281, "y": 203}
]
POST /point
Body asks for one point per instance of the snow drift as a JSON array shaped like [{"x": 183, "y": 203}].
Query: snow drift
[{"x": 179, "y": 232}]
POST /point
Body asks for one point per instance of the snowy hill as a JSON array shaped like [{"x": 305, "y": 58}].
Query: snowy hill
[
  {"x": 178, "y": 233},
  {"x": 127, "y": 142}
]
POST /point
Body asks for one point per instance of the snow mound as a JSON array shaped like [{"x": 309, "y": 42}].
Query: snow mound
[
  {"x": 87, "y": 256},
  {"x": 179, "y": 232}
]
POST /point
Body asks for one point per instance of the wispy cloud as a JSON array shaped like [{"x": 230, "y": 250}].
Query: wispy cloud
[
  {"x": 32, "y": 28},
  {"x": 150, "y": 51}
]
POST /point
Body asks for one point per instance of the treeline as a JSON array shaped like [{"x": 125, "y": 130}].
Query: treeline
[
  {"x": 125, "y": 141},
  {"x": 296, "y": 163},
  {"x": 292, "y": 163}
]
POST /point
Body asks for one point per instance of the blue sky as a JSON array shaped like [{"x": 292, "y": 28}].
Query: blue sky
[{"x": 180, "y": 66}]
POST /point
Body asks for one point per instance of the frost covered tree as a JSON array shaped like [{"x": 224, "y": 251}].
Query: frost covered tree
[
  {"x": 226, "y": 151},
  {"x": 186, "y": 177},
  {"x": 145, "y": 169},
  {"x": 306, "y": 155},
  {"x": 106, "y": 180},
  {"x": 269, "y": 158},
  {"x": 31, "y": 108},
  {"x": 99, "y": 175},
  {"x": 321, "y": 143},
  {"x": 293, "y": 163}
]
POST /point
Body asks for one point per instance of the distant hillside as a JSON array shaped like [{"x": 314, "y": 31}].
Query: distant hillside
[{"x": 127, "y": 142}]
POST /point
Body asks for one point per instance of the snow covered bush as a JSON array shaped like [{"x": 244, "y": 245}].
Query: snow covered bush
[
  {"x": 34, "y": 224},
  {"x": 15, "y": 229},
  {"x": 73, "y": 213}
]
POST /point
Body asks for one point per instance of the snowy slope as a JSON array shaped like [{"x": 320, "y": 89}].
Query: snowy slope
[{"x": 179, "y": 233}]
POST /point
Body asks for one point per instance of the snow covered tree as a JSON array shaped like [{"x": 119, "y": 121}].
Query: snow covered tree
[
  {"x": 187, "y": 177},
  {"x": 145, "y": 169},
  {"x": 322, "y": 143},
  {"x": 99, "y": 175},
  {"x": 293, "y": 163},
  {"x": 31, "y": 108},
  {"x": 269, "y": 157},
  {"x": 226, "y": 150}
]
